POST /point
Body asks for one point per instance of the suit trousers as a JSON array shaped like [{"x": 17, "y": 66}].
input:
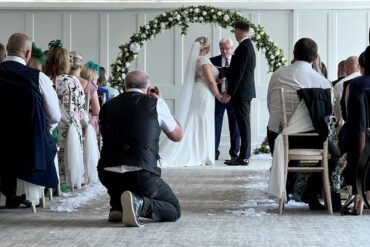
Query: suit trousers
[
  {"x": 243, "y": 107},
  {"x": 233, "y": 126},
  {"x": 8, "y": 184},
  {"x": 160, "y": 202}
]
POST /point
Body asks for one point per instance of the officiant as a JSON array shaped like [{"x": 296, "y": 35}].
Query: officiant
[{"x": 223, "y": 60}]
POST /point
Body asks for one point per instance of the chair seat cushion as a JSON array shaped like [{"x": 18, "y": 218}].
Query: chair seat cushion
[{"x": 305, "y": 152}]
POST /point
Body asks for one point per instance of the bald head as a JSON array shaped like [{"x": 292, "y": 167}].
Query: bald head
[
  {"x": 352, "y": 65},
  {"x": 137, "y": 79},
  {"x": 20, "y": 45}
]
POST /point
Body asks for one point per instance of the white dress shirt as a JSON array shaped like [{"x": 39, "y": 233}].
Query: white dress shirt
[
  {"x": 293, "y": 77},
  {"x": 48, "y": 94}
]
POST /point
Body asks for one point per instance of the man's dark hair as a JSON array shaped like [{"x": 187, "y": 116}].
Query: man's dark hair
[
  {"x": 305, "y": 50},
  {"x": 242, "y": 25}
]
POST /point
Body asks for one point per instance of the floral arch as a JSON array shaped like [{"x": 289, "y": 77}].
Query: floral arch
[{"x": 181, "y": 17}]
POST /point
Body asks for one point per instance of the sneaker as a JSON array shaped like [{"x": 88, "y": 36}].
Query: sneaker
[{"x": 131, "y": 209}]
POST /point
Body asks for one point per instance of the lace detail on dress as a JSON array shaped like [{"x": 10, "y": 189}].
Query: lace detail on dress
[{"x": 199, "y": 74}]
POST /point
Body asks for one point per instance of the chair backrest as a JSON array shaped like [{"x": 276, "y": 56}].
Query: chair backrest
[
  {"x": 87, "y": 102},
  {"x": 289, "y": 100}
]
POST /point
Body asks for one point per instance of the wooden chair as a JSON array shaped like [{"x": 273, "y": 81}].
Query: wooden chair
[{"x": 308, "y": 157}]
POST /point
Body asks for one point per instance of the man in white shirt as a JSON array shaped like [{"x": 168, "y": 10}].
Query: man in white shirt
[
  {"x": 34, "y": 152},
  {"x": 131, "y": 124},
  {"x": 295, "y": 76},
  {"x": 340, "y": 89}
]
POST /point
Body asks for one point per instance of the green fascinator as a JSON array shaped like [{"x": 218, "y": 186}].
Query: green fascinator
[
  {"x": 55, "y": 44},
  {"x": 93, "y": 66},
  {"x": 37, "y": 53}
]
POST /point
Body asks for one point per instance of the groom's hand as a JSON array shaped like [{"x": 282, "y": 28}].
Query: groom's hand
[
  {"x": 225, "y": 98},
  {"x": 154, "y": 92}
]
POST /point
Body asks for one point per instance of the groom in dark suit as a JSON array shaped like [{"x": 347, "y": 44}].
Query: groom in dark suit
[
  {"x": 223, "y": 60},
  {"x": 240, "y": 76}
]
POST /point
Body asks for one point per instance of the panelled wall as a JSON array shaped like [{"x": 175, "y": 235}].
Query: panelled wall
[{"x": 96, "y": 34}]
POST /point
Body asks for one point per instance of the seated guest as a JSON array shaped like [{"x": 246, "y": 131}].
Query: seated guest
[
  {"x": 128, "y": 164},
  {"x": 355, "y": 72},
  {"x": 103, "y": 82},
  {"x": 341, "y": 72},
  {"x": 72, "y": 103},
  {"x": 2, "y": 53},
  {"x": 352, "y": 71},
  {"x": 295, "y": 76},
  {"x": 90, "y": 72},
  {"x": 356, "y": 121},
  {"x": 33, "y": 112}
]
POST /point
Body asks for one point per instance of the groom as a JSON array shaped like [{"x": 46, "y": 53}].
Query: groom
[
  {"x": 223, "y": 60},
  {"x": 241, "y": 88}
]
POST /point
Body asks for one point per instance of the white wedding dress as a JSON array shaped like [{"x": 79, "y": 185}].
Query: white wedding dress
[{"x": 198, "y": 144}]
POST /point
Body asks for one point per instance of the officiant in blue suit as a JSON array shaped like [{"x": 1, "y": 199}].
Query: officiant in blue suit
[
  {"x": 29, "y": 109},
  {"x": 223, "y": 60}
]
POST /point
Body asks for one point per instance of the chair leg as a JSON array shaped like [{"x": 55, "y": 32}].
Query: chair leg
[
  {"x": 33, "y": 208},
  {"x": 42, "y": 199},
  {"x": 281, "y": 203},
  {"x": 326, "y": 187},
  {"x": 50, "y": 194},
  {"x": 359, "y": 205}
]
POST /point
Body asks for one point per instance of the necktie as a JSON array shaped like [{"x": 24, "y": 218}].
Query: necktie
[{"x": 224, "y": 85}]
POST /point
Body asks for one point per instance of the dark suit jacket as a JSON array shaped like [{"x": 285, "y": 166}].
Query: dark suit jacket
[
  {"x": 29, "y": 148},
  {"x": 240, "y": 74},
  {"x": 318, "y": 102},
  {"x": 217, "y": 61}
]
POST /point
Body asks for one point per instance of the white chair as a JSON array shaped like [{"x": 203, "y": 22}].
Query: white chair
[{"x": 308, "y": 157}]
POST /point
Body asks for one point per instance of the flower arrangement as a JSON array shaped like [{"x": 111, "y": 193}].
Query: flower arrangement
[{"x": 181, "y": 17}]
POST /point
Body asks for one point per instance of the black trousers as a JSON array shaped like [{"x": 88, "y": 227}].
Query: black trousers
[
  {"x": 243, "y": 108},
  {"x": 160, "y": 202},
  {"x": 233, "y": 126},
  {"x": 8, "y": 185}
]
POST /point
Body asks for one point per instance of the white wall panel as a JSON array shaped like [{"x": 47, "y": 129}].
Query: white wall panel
[
  {"x": 47, "y": 26},
  {"x": 121, "y": 26},
  {"x": 85, "y": 35},
  {"x": 161, "y": 56},
  {"x": 11, "y": 22},
  {"x": 314, "y": 25},
  {"x": 352, "y": 34}
]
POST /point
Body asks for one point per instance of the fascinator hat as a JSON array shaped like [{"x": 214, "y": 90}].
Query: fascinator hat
[
  {"x": 38, "y": 53},
  {"x": 55, "y": 44}
]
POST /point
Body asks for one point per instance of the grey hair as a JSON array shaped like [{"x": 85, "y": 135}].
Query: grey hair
[
  {"x": 137, "y": 79},
  {"x": 226, "y": 40}
]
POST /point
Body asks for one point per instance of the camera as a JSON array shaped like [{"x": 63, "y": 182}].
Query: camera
[{"x": 154, "y": 90}]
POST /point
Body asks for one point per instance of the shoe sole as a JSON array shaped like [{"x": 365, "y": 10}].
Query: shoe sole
[{"x": 128, "y": 214}]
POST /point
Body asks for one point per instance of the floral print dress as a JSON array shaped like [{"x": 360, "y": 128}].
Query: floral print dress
[{"x": 72, "y": 102}]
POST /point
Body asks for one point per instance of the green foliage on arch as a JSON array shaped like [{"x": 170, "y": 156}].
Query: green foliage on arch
[{"x": 182, "y": 17}]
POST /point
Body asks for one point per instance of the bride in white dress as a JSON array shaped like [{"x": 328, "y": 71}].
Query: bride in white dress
[{"x": 195, "y": 109}]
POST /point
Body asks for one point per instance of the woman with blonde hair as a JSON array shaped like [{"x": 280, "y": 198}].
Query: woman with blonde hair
[
  {"x": 195, "y": 109},
  {"x": 90, "y": 72}
]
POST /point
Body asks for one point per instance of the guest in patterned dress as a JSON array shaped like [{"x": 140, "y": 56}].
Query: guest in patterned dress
[{"x": 72, "y": 104}]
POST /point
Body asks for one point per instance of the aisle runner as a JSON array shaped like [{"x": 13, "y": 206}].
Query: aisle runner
[{"x": 69, "y": 202}]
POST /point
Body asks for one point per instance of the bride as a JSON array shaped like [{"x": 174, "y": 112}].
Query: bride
[{"x": 195, "y": 109}]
